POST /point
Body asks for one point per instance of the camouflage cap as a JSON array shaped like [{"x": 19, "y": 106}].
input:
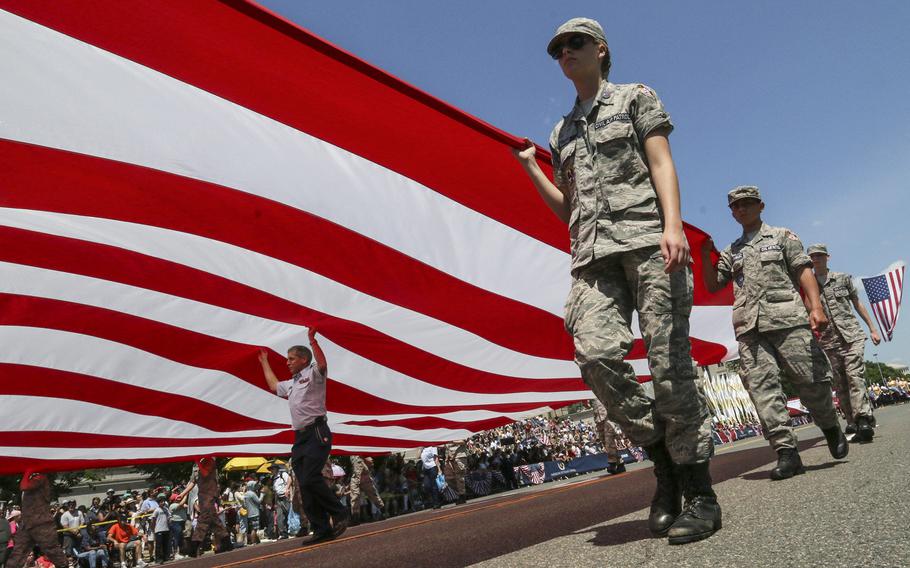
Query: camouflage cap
[
  {"x": 743, "y": 192},
  {"x": 818, "y": 248},
  {"x": 585, "y": 26}
]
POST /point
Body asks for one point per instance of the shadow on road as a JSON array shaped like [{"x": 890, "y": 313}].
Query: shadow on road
[
  {"x": 509, "y": 523},
  {"x": 621, "y": 533}
]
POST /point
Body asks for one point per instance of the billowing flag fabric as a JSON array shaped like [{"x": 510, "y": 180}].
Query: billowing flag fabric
[
  {"x": 884, "y": 292},
  {"x": 186, "y": 182}
]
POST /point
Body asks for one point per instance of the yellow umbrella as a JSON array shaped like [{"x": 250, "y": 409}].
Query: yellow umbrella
[
  {"x": 244, "y": 464},
  {"x": 264, "y": 468}
]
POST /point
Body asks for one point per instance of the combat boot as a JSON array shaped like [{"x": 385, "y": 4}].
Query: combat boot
[
  {"x": 837, "y": 442},
  {"x": 701, "y": 516},
  {"x": 864, "y": 431},
  {"x": 667, "y": 502},
  {"x": 788, "y": 464},
  {"x": 614, "y": 468}
]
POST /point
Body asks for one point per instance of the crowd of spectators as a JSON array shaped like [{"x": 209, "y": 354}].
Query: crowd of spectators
[
  {"x": 155, "y": 524},
  {"x": 893, "y": 392}
]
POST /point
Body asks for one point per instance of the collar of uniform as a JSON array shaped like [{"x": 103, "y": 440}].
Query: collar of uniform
[
  {"x": 602, "y": 97},
  {"x": 763, "y": 231}
]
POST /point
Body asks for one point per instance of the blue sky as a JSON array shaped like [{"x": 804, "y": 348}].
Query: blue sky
[{"x": 807, "y": 100}]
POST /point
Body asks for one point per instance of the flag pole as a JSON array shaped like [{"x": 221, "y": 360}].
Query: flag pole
[{"x": 879, "y": 364}]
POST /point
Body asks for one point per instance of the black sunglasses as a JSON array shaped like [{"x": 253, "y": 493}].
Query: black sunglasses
[{"x": 574, "y": 43}]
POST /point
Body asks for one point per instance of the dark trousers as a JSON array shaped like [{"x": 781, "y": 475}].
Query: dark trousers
[
  {"x": 429, "y": 484},
  {"x": 282, "y": 508},
  {"x": 162, "y": 546},
  {"x": 311, "y": 450}
]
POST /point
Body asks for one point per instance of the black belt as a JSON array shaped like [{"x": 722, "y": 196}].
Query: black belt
[{"x": 308, "y": 427}]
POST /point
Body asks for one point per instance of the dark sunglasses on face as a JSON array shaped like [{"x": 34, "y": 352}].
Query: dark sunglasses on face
[{"x": 574, "y": 43}]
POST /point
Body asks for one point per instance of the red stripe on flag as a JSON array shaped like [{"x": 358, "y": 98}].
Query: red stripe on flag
[
  {"x": 198, "y": 350},
  {"x": 27, "y": 380},
  {"x": 54, "y": 180}
]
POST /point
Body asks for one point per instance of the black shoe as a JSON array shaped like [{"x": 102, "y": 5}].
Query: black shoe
[
  {"x": 339, "y": 525},
  {"x": 788, "y": 464},
  {"x": 319, "y": 537},
  {"x": 850, "y": 429},
  {"x": 701, "y": 517},
  {"x": 837, "y": 442},
  {"x": 667, "y": 502},
  {"x": 614, "y": 468},
  {"x": 864, "y": 431},
  {"x": 225, "y": 545}
]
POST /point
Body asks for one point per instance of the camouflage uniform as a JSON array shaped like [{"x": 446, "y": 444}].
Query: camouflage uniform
[
  {"x": 208, "y": 519},
  {"x": 360, "y": 479},
  {"x": 606, "y": 431},
  {"x": 844, "y": 343},
  {"x": 615, "y": 227},
  {"x": 772, "y": 326},
  {"x": 456, "y": 465},
  {"x": 37, "y": 528}
]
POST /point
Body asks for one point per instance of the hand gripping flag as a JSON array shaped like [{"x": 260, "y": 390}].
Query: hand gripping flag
[
  {"x": 186, "y": 182},
  {"x": 884, "y": 292}
]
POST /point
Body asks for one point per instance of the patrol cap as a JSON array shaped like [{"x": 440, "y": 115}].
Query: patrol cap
[
  {"x": 818, "y": 248},
  {"x": 585, "y": 26},
  {"x": 743, "y": 192}
]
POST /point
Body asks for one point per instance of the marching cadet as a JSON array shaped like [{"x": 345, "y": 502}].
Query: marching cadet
[
  {"x": 362, "y": 480},
  {"x": 768, "y": 266},
  {"x": 36, "y": 523},
  {"x": 455, "y": 468},
  {"x": 616, "y": 188},
  {"x": 208, "y": 519},
  {"x": 844, "y": 343},
  {"x": 606, "y": 431}
]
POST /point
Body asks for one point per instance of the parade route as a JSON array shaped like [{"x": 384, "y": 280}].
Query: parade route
[{"x": 848, "y": 513}]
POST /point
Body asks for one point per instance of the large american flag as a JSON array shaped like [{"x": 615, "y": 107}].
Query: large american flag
[
  {"x": 884, "y": 292},
  {"x": 184, "y": 182}
]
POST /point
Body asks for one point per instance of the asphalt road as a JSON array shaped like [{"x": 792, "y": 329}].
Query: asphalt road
[{"x": 852, "y": 512}]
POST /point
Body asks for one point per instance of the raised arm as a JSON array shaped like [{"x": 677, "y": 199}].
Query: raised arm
[
  {"x": 318, "y": 355},
  {"x": 552, "y": 196},
  {"x": 270, "y": 377},
  {"x": 708, "y": 271}
]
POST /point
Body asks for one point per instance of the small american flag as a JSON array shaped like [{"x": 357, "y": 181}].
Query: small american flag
[{"x": 884, "y": 292}]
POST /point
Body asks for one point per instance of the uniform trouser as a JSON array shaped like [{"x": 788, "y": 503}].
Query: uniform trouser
[
  {"x": 309, "y": 454},
  {"x": 599, "y": 317},
  {"x": 795, "y": 353},
  {"x": 282, "y": 510},
  {"x": 848, "y": 369},
  {"x": 606, "y": 430},
  {"x": 209, "y": 521},
  {"x": 455, "y": 470},
  {"x": 43, "y": 536},
  {"x": 361, "y": 481}
]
